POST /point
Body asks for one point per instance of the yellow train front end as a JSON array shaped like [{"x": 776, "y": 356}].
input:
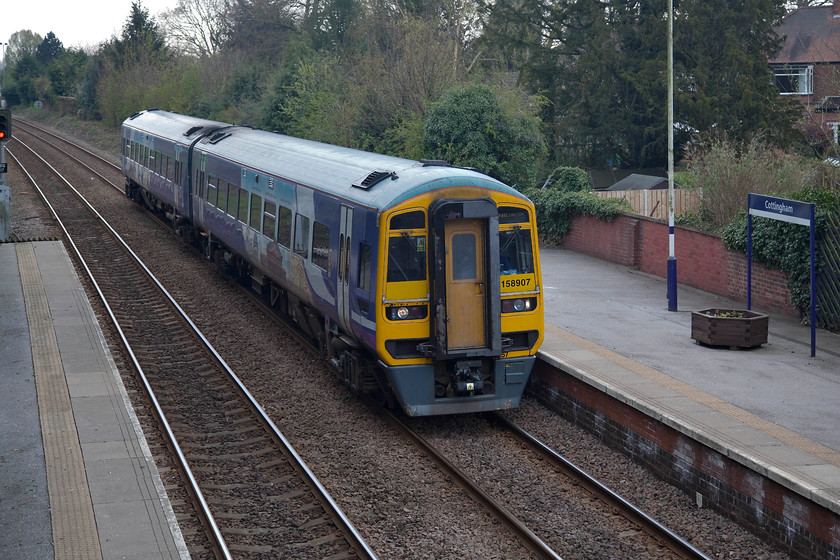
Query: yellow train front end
[{"x": 460, "y": 296}]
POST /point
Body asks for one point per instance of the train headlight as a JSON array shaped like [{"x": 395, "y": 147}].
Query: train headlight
[
  {"x": 407, "y": 312},
  {"x": 518, "y": 305}
]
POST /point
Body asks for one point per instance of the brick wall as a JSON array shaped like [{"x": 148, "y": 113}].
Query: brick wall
[
  {"x": 793, "y": 523},
  {"x": 702, "y": 260}
]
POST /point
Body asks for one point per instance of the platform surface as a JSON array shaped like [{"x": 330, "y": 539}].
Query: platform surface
[
  {"x": 78, "y": 479},
  {"x": 772, "y": 408}
]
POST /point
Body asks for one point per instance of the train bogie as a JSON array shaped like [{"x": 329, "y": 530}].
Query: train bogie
[{"x": 418, "y": 281}]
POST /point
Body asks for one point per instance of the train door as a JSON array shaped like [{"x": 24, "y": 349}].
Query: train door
[
  {"x": 344, "y": 251},
  {"x": 466, "y": 284}
]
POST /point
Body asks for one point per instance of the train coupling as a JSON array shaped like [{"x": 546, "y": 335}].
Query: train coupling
[{"x": 468, "y": 380}]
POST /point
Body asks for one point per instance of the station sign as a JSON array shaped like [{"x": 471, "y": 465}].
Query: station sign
[{"x": 795, "y": 212}]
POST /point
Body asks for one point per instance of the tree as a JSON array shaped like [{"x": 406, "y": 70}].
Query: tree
[
  {"x": 603, "y": 66},
  {"x": 141, "y": 39},
  {"x": 470, "y": 127},
  {"x": 21, "y": 44},
  {"x": 49, "y": 49},
  {"x": 196, "y": 27}
]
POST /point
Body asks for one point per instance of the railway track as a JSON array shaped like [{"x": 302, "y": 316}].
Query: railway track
[
  {"x": 543, "y": 540},
  {"x": 254, "y": 495}
]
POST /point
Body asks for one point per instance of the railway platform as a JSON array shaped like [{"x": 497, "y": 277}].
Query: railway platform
[
  {"x": 78, "y": 479},
  {"x": 771, "y": 408}
]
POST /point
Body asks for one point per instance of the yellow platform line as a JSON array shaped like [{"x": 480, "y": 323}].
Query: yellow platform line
[{"x": 71, "y": 507}]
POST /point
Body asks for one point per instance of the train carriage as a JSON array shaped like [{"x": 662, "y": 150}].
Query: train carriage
[{"x": 418, "y": 280}]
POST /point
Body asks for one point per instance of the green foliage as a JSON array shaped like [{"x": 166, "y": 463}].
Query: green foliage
[
  {"x": 785, "y": 246},
  {"x": 469, "y": 127},
  {"x": 568, "y": 179},
  {"x": 726, "y": 172},
  {"x": 603, "y": 65},
  {"x": 555, "y": 210}
]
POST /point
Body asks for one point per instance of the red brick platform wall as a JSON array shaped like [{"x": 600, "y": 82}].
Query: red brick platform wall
[
  {"x": 702, "y": 260},
  {"x": 794, "y": 524}
]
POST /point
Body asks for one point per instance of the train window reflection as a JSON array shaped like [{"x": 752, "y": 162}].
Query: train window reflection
[
  {"x": 516, "y": 255},
  {"x": 463, "y": 256},
  {"x": 407, "y": 258}
]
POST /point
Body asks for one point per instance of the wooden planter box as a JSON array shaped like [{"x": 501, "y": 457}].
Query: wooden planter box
[{"x": 746, "y": 331}]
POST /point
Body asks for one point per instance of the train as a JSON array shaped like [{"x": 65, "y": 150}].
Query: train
[{"x": 418, "y": 281}]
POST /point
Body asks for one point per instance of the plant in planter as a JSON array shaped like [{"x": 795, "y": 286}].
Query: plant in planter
[{"x": 729, "y": 327}]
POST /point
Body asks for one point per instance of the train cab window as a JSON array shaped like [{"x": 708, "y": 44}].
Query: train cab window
[
  {"x": 321, "y": 245},
  {"x": 516, "y": 253},
  {"x": 302, "y": 236},
  {"x": 256, "y": 211},
  {"x": 242, "y": 214},
  {"x": 232, "y": 200},
  {"x": 269, "y": 220},
  {"x": 284, "y": 227},
  {"x": 407, "y": 247}
]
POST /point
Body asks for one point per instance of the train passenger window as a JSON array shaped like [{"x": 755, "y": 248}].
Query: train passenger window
[
  {"x": 270, "y": 220},
  {"x": 364, "y": 267},
  {"x": 146, "y": 157},
  {"x": 232, "y": 200},
  {"x": 302, "y": 236},
  {"x": 516, "y": 253},
  {"x": 321, "y": 245},
  {"x": 212, "y": 192},
  {"x": 284, "y": 227},
  {"x": 221, "y": 204},
  {"x": 243, "y": 206},
  {"x": 407, "y": 258},
  {"x": 256, "y": 211}
]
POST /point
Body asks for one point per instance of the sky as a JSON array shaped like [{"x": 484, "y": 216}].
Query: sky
[{"x": 76, "y": 23}]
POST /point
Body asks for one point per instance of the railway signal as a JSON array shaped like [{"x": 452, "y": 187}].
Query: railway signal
[{"x": 5, "y": 125}]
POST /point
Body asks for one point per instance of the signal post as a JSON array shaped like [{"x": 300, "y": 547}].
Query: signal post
[{"x": 5, "y": 192}]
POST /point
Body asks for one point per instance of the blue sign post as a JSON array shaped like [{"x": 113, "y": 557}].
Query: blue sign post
[{"x": 785, "y": 210}]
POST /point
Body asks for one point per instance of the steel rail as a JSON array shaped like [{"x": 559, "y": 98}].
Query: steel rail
[
  {"x": 354, "y": 538},
  {"x": 674, "y": 542},
  {"x": 530, "y": 539}
]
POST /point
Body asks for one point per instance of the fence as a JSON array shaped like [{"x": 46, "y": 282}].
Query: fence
[
  {"x": 654, "y": 203},
  {"x": 828, "y": 278}
]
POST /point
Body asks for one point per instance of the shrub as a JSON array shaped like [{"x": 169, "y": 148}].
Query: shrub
[
  {"x": 555, "y": 210},
  {"x": 786, "y": 246},
  {"x": 727, "y": 172}
]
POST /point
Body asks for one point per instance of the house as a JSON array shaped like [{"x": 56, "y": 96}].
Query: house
[
  {"x": 808, "y": 64},
  {"x": 637, "y": 182}
]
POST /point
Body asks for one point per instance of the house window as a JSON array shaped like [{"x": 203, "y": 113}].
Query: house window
[{"x": 795, "y": 79}]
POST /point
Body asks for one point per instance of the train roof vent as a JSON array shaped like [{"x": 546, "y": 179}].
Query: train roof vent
[
  {"x": 218, "y": 137},
  {"x": 193, "y": 130},
  {"x": 435, "y": 163},
  {"x": 373, "y": 178}
]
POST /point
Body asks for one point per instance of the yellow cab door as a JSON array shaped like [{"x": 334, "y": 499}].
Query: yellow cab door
[{"x": 466, "y": 284}]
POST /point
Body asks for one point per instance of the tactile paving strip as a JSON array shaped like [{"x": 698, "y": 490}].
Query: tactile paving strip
[{"x": 71, "y": 510}]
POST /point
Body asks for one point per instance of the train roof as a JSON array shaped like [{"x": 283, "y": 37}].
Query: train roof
[{"x": 373, "y": 180}]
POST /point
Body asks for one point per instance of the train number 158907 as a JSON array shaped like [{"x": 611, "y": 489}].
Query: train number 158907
[{"x": 516, "y": 283}]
